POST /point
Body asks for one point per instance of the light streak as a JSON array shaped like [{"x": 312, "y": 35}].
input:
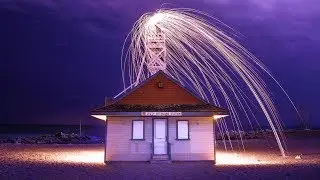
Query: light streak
[{"x": 201, "y": 56}]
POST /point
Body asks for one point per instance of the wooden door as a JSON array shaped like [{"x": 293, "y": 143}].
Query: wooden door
[{"x": 160, "y": 136}]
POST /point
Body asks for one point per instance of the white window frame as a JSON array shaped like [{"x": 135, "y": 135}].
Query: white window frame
[
  {"x": 133, "y": 129},
  {"x": 183, "y": 137}
]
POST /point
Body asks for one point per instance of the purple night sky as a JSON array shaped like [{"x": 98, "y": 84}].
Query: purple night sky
[{"x": 61, "y": 58}]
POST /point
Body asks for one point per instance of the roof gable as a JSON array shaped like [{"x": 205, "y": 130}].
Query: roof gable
[{"x": 151, "y": 92}]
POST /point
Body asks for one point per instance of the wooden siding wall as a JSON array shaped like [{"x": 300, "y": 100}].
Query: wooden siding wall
[
  {"x": 199, "y": 147},
  {"x": 149, "y": 93},
  {"x": 120, "y": 147}
]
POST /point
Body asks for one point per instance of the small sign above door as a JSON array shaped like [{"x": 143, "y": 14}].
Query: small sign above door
[{"x": 161, "y": 113}]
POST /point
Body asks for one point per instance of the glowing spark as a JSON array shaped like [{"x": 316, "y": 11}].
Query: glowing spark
[
  {"x": 157, "y": 17},
  {"x": 189, "y": 47}
]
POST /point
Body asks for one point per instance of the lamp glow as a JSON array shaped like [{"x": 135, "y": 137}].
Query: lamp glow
[
  {"x": 236, "y": 159},
  {"x": 101, "y": 117}
]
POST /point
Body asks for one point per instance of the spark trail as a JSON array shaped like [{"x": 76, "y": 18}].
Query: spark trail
[{"x": 190, "y": 46}]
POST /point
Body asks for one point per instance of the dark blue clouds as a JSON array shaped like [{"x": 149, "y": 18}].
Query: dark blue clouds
[{"x": 60, "y": 58}]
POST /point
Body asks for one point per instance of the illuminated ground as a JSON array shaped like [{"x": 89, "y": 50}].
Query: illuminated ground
[{"x": 86, "y": 162}]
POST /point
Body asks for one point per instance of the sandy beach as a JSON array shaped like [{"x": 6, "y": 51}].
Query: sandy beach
[{"x": 260, "y": 161}]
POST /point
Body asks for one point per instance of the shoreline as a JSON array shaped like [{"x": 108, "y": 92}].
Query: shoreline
[{"x": 74, "y": 138}]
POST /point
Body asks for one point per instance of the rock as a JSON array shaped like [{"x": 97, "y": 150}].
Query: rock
[
  {"x": 6, "y": 140},
  {"x": 9, "y": 140},
  {"x": 61, "y": 135},
  {"x": 56, "y": 138},
  {"x": 18, "y": 140},
  {"x": 41, "y": 142},
  {"x": 28, "y": 140}
]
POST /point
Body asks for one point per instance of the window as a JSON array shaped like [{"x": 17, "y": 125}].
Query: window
[
  {"x": 138, "y": 130},
  {"x": 183, "y": 130}
]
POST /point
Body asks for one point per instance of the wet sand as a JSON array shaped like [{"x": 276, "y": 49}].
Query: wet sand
[{"x": 261, "y": 160}]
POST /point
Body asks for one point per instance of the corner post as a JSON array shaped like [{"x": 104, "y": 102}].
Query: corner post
[
  {"x": 214, "y": 142},
  {"x": 105, "y": 139}
]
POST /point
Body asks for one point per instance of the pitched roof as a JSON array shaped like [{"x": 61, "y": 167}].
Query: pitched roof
[
  {"x": 115, "y": 106},
  {"x": 166, "y": 77}
]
